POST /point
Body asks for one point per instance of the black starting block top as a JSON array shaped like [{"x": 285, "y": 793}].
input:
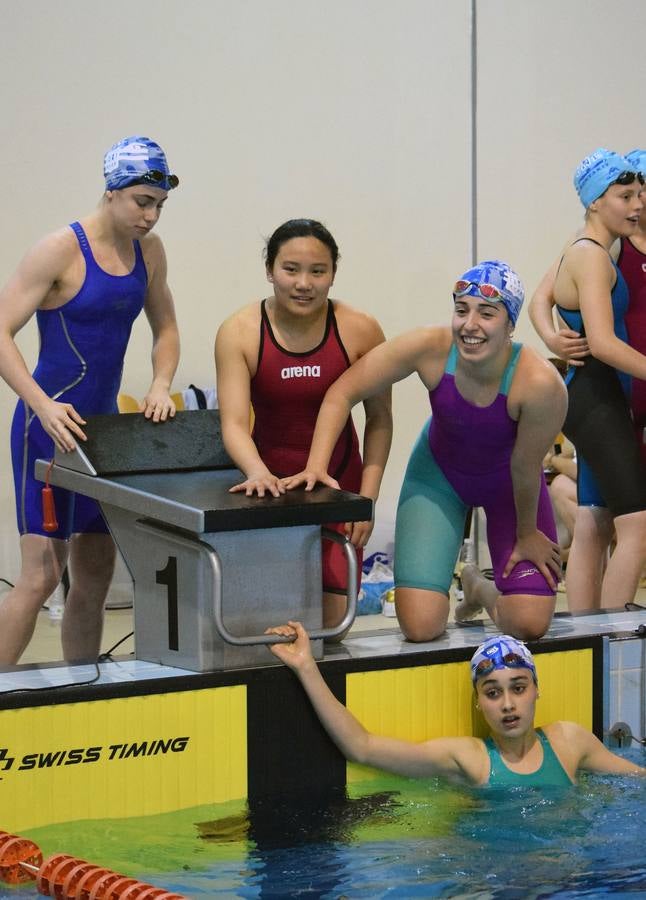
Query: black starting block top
[
  {"x": 128, "y": 443},
  {"x": 178, "y": 473}
]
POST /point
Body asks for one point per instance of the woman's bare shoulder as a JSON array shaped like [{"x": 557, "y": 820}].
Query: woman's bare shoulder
[
  {"x": 61, "y": 241},
  {"x": 51, "y": 256},
  {"x": 584, "y": 253},
  {"x": 538, "y": 370},
  {"x": 244, "y": 318},
  {"x": 354, "y": 320},
  {"x": 472, "y": 757}
]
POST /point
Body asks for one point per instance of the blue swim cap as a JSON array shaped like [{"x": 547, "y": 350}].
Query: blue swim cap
[
  {"x": 137, "y": 160},
  {"x": 501, "y": 276},
  {"x": 501, "y": 652},
  {"x": 597, "y": 172},
  {"x": 637, "y": 158}
]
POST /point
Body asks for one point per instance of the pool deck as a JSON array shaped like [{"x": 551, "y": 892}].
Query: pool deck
[{"x": 364, "y": 642}]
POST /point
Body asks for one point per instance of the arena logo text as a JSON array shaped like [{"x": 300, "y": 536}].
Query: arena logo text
[{"x": 300, "y": 372}]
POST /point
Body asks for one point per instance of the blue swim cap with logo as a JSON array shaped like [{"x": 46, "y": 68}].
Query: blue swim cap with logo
[
  {"x": 501, "y": 652},
  {"x": 595, "y": 174},
  {"x": 637, "y": 158},
  {"x": 137, "y": 160},
  {"x": 499, "y": 275}
]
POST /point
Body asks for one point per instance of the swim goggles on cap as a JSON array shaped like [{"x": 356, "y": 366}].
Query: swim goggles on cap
[
  {"x": 508, "y": 661},
  {"x": 486, "y": 291},
  {"x": 154, "y": 176},
  {"x": 499, "y": 652},
  {"x": 628, "y": 178}
]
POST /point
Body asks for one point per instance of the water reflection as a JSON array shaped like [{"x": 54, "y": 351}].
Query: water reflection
[
  {"x": 294, "y": 842},
  {"x": 427, "y": 840},
  {"x": 388, "y": 837}
]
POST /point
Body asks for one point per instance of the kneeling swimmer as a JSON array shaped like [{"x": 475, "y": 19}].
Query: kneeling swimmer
[{"x": 496, "y": 409}]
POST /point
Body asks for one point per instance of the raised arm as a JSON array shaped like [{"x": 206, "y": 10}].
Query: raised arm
[
  {"x": 562, "y": 342},
  {"x": 542, "y": 408},
  {"x": 377, "y": 433},
  {"x": 444, "y": 756},
  {"x": 369, "y": 377},
  {"x": 377, "y": 438},
  {"x": 160, "y": 311},
  {"x": 35, "y": 279},
  {"x": 234, "y": 400}
]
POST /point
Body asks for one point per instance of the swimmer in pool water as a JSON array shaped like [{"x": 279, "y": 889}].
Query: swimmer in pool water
[{"x": 506, "y": 688}]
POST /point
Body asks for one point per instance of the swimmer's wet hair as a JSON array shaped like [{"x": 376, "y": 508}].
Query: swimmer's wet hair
[{"x": 295, "y": 228}]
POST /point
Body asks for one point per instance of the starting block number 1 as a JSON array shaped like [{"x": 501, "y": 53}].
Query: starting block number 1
[{"x": 168, "y": 576}]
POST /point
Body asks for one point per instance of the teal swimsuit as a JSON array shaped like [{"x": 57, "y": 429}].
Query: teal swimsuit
[{"x": 551, "y": 772}]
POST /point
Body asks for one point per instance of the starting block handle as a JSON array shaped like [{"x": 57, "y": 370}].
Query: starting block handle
[
  {"x": 215, "y": 566},
  {"x": 352, "y": 590}
]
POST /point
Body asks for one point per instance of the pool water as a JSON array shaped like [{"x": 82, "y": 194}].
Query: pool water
[{"x": 385, "y": 838}]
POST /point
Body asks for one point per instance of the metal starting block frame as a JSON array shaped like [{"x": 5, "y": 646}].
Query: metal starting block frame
[{"x": 211, "y": 570}]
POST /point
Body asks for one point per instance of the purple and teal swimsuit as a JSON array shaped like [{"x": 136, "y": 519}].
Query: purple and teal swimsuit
[{"x": 462, "y": 459}]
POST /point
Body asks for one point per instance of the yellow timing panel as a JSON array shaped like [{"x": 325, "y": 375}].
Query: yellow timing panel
[
  {"x": 424, "y": 702},
  {"x": 157, "y": 752},
  {"x": 122, "y": 757},
  {"x": 565, "y": 687}
]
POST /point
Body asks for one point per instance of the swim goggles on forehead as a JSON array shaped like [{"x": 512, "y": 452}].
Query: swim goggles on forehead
[
  {"x": 155, "y": 176},
  {"x": 628, "y": 178},
  {"x": 486, "y": 291},
  {"x": 500, "y": 661}
]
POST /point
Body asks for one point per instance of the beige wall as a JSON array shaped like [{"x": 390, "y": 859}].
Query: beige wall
[
  {"x": 556, "y": 79},
  {"x": 351, "y": 111}
]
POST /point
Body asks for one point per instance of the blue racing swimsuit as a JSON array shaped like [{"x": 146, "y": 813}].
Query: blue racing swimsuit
[
  {"x": 550, "y": 774},
  {"x": 599, "y": 424},
  {"x": 82, "y": 348}
]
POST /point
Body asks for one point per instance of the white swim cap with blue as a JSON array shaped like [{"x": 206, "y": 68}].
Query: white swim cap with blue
[
  {"x": 501, "y": 276},
  {"x": 595, "y": 174},
  {"x": 501, "y": 652},
  {"x": 137, "y": 160}
]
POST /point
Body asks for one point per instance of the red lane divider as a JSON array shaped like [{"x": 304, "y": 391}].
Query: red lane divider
[
  {"x": 66, "y": 877},
  {"x": 15, "y": 850}
]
